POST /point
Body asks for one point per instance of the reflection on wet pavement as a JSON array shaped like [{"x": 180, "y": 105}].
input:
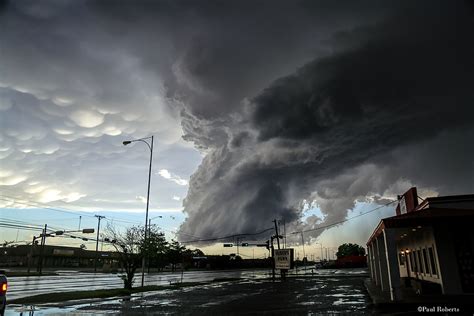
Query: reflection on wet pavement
[{"x": 294, "y": 296}]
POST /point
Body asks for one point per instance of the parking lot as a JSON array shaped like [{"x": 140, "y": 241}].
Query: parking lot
[{"x": 294, "y": 296}]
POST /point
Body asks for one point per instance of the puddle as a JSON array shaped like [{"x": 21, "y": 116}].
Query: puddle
[
  {"x": 309, "y": 303},
  {"x": 344, "y": 302},
  {"x": 347, "y": 295},
  {"x": 224, "y": 300},
  {"x": 317, "y": 287}
]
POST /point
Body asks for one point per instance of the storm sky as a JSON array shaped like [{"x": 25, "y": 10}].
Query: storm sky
[{"x": 260, "y": 109}]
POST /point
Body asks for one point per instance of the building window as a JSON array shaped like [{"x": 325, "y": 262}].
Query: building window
[
  {"x": 425, "y": 261},
  {"x": 418, "y": 257},
  {"x": 414, "y": 261},
  {"x": 432, "y": 261},
  {"x": 401, "y": 258}
]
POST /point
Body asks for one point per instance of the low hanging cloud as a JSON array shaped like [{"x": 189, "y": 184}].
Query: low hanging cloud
[
  {"x": 390, "y": 108},
  {"x": 289, "y": 104}
]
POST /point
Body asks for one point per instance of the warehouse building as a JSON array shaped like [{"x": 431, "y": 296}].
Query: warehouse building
[{"x": 426, "y": 247}]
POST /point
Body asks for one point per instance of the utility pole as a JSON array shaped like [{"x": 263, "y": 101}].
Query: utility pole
[
  {"x": 238, "y": 239},
  {"x": 304, "y": 254},
  {"x": 273, "y": 258},
  {"x": 276, "y": 232},
  {"x": 282, "y": 271},
  {"x": 30, "y": 256},
  {"x": 99, "y": 217},
  {"x": 80, "y": 217},
  {"x": 43, "y": 241},
  {"x": 321, "y": 258}
]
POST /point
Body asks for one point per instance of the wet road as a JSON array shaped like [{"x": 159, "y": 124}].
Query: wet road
[
  {"x": 295, "y": 296},
  {"x": 76, "y": 281}
]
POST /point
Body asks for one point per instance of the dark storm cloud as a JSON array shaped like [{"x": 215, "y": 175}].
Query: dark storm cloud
[
  {"x": 292, "y": 103},
  {"x": 356, "y": 124}
]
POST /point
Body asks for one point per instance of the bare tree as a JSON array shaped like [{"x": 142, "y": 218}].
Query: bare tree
[{"x": 129, "y": 248}]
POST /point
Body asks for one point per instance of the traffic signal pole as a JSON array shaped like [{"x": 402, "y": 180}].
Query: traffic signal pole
[
  {"x": 276, "y": 232},
  {"x": 99, "y": 217},
  {"x": 273, "y": 258},
  {"x": 282, "y": 271},
  {"x": 43, "y": 241}
]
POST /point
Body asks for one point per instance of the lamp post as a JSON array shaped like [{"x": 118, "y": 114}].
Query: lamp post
[
  {"x": 150, "y": 146},
  {"x": 149, "y": 223},
  {"x": 302, "y": 242},
  {"x": 321, "y": 259}
]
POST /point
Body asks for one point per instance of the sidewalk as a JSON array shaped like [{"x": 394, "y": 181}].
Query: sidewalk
[{"x": 415, "y": 303}]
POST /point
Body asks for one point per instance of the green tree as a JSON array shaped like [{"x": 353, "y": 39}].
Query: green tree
[
  {"x": 155, "y": 248},
  {"x": 349, "y": 249},
  {"x": 175, "y": 253},
  {"x": 189, "y": 254}
]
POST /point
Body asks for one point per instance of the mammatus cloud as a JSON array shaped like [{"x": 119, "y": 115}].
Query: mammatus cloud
[
  {"x": 391, "y": 107},
  {"x": 72, "y": 88},
  {"x": 289, "y": 102}
]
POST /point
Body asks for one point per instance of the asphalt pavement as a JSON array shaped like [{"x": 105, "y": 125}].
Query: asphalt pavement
[
  {"x": 302, "y": 295},
  {"x": 75, "y": 281}
]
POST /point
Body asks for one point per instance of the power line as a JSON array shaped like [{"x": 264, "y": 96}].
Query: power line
[
  {"x": 62, "y": 210},
  {"x": 45, "y": 206},
  {"x": 16, "y": 227},
  {"x": 229, "y": 236},
  {"x": 345, "y": 220},
  {"x": 304, "y": 231}
]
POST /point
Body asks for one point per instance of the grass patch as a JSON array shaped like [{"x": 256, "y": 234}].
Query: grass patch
[{"x": 80, "y": 295}]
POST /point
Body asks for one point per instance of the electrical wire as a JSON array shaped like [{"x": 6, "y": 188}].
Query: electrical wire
[
  {"x": 303, "y": 231},
  {"x": 345, "y": 220},
  {"x": 62, "y": 210},
  {"x": 228, "y": 237},
  {"x": 237, "y": 234}
]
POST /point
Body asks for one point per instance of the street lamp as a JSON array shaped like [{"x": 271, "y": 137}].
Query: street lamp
[
  {"x": 321, "y": 259},
  {"x": 149, "y": 222},
  {"x": 302, "y": 241},
  {"x": 150, "y": 146}
]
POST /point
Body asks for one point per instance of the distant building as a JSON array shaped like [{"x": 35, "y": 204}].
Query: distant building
[
  {"x": 428, "y": 247},
  {"x": 54, "y": 256}
]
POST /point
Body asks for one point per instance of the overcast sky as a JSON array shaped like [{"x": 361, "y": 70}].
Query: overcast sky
[{"x": 292, "y": 110}]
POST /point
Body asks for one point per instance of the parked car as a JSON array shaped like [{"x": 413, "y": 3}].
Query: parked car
[{"x": 3, "y": 292}]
